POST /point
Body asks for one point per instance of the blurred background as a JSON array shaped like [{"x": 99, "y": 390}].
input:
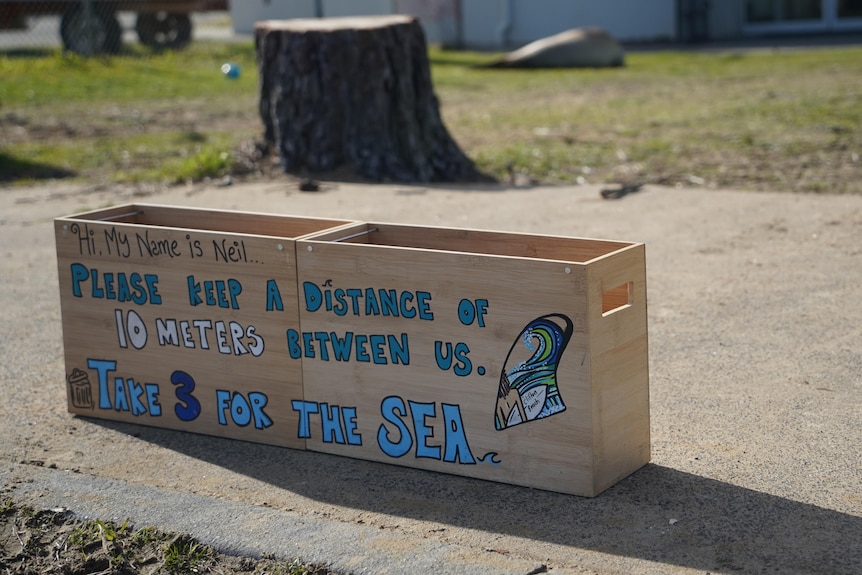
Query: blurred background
[
  {"x": 750, "y": 94},
  {"x": 100, "y": 26},
  {"x": 91, "y": 27}
]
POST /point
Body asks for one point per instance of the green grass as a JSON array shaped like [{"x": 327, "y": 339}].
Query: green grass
[
  {"x": 171, "y": 157},
  {"x": 761, "y": 119},
  {"x": 136, "y": 76},
  {"x": 772, "y": 120},
  {"x": 141, "y": 116},
  {"x": 186, "y": 555}
]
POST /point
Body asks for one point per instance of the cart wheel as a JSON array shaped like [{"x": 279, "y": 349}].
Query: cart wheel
[
  {"x": 164, "y": 30},
  {"x": 98, "y": 32}
]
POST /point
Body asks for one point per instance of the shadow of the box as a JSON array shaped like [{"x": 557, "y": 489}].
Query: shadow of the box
[{"x": 658, "y": 514}]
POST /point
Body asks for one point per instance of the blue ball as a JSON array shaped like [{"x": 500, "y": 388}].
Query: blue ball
[{"x": 230, "y": 70}]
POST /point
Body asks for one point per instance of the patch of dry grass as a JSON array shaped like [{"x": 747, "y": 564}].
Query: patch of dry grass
[
  {"x": 762, "y": 120},
  {"x": 765, "y": 120}
]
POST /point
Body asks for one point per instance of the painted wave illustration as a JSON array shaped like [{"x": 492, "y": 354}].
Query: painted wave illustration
[{"x": 528, "y": 387}]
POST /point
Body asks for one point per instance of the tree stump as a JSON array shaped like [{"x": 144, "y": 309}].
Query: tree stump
[{"x": 355, "y": 93}]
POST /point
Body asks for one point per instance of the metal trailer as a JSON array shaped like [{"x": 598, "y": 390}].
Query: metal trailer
[{"x": 91, "y": 27}]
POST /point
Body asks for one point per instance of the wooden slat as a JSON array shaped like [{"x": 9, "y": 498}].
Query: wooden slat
[
  {"x": 620, "y": 385},
  {"x": 213, "y": 220},
  {"x": 576, "y": 250}
]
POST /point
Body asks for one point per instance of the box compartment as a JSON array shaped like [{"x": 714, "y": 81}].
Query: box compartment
[
  {"x": 175, "y": 317},
  {"x": 512, "y": 357}
]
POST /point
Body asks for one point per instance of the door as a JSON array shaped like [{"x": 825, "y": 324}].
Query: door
[
  {"x": 782, "y": 16},
  {"x": 848, "y": 14}
]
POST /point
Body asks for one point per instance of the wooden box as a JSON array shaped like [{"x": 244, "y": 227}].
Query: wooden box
[
  {"x": 510, "y": 357},
  {"x": 175, "y": 318}
]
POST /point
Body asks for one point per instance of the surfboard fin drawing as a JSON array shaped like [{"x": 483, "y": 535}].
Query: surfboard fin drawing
[{"x": 528, "y": 382}]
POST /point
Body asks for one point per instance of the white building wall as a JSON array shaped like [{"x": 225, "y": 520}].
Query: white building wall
[
  {"x": 534, "y": 19},
  {"x": 500, "y": 24},
  {"x": 245, "y": 13},
  {"x": 484, "y": 24},
  {"x": 640, "y": 20},
  {"x": 339, "y": 8},
  {"x": 439, "y": 18}
]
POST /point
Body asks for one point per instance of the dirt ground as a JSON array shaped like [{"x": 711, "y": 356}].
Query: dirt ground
[
  {"x": 825, "y": 161},
  {"x": 754, "y": 384},
  {"x": 37, "y": 542}
]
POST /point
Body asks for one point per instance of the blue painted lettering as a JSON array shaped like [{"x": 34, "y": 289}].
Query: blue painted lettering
[
  {"x": 341, "y": 345},
  {"x": 330, "y": 424},
  {"x": 305, "y": 408},
  {"x": 128, "y": 395},
  {"x": 187, "y": 408},
  {"x": 153, "y": 399},
  {"x": 124, "y": 292},
  {"x": 421, "y": 412},
  {"x": 258, "y": 401},
  {"x": 119, "y": 286},
  {"x": 395, "y": 444},
  {"x": 378, "y": 351},
  {"x": 372, "y": 307},
  {"x": 322, "y": 337},
  {"x": 469, "y": 311},
  {"x": 446, "y": 360},
  {"x": 423, "y": 304},
  {"x": 457, "y": 448},
  {"x": 313, "y": 296},
  {"x": 273, "y": 297},
  {"x": 215, "y": 292},
  {"x": 242, "y": 410},
  {"x": 151, "y": 280},
  {"x": 293, "y": 346},
  {"x": 354, "y": 294},
  {"x": 109, "y": 286},
  {"x": 348, "y": 415},
  {"x": 340, "y": 307},
  {"x": 307, "y": 343},
  {"x": 407, "y": 310},
  {"x": 381, "y": 349},
  {"x": 367, "y": 301},
  {"x": 121, "y": 402},
  {"x": 361, "y": 352},
  {"x": 337, "y": 424},
  {"x": 389, "y": 302},
  {"x": 400, "y": 439},
  {"x": 136, "y": 390}
]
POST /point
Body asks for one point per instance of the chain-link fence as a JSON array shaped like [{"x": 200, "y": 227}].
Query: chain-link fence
[{"x": 90, "y": 27}]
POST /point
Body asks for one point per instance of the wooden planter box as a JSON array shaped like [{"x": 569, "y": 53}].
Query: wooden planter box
[
  {"x": 175, "y": 317},
  {"x": 509, "y": 357}
]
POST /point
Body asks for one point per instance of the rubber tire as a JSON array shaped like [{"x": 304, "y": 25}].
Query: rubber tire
[
  {"x": 164, "y": 30},
  {"x": 106, "y": 35}
]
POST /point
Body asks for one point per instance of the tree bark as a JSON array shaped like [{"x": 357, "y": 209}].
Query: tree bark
[{"x": 355, "y": 93}]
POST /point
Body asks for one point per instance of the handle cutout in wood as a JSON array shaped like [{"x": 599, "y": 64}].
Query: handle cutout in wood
[{"x": 617, "y": 299}]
